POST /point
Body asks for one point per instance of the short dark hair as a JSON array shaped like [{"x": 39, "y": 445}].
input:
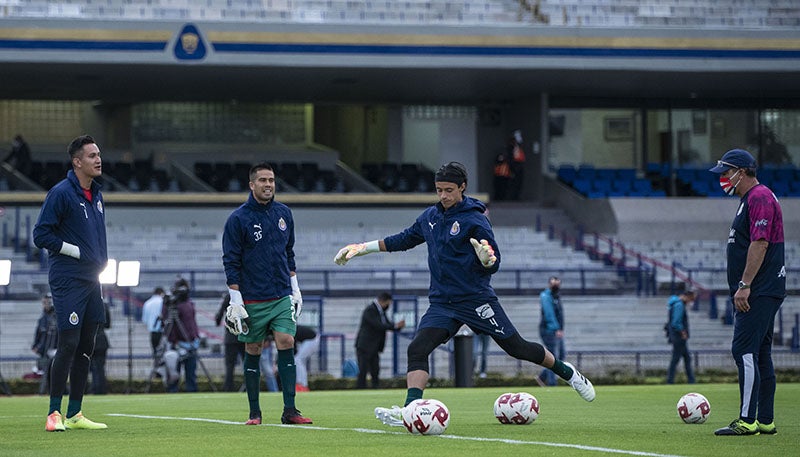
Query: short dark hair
[
  {"x": 383, "y": 296},
  {"x": 453, "y": 172},
  {"x": 77, "y": 144},
  {"x": 158, "y": 291},
  {"x": 259, "y": 166}
]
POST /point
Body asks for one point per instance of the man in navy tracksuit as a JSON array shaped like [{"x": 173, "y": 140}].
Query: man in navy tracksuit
[
  {"x": 462, "y": 256},
  {"x": 258, "y": 256},
  {"x": 72, "y": 228},
  {"x": 757, "y": 282}
]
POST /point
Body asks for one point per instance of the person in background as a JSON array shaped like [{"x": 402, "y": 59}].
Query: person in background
[
  {"x": 551, "y": 326},
  {"x": 678, "y": 333},
  {"x": 180, "y": 326},
  {"x": 306, "y": 343},
  {"x": 267, "y": 364},
  {"x": 757, "y": 284},
  {"x": 45, "y": 339},
  {"x": 151, "y": 317},
  {"x": 480, "y": 353},
  {"x": 234, "y": 349},
  {"x": 517, "y": 162},
  {"x": 72, "y": 227},
  {"x": 462, "y": 257},
  {"x": 371, "y": 339},
  {"x": 20, "y": 156},
  {"x": 98, "y": 367}
]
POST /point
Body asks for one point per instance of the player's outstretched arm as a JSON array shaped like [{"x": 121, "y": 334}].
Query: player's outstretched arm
[{"x": 356, "y": 250}]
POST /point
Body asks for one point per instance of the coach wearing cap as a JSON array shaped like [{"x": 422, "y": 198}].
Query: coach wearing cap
[{"x": 757, "y": 283}]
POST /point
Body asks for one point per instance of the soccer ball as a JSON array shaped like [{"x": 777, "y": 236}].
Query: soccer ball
[
  {"x": 426, "y": 417},
  {"x": 694, "y": 408},
  {"x": 516, "y": 408}
]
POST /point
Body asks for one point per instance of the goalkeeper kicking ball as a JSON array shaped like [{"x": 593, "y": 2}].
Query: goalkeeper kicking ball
[
  {"x": 426, "y": 417},
  {"x": 516, "y": 408},
  {"x": 694, "y": 408}
]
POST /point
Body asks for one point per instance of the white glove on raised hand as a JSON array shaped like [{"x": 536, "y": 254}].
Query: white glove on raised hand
[
  {"x": 355, "y": 250},
  {"x": 236, "y": 315},
  {"x": 70, "y": 250},
  {"x": 484, "y": 251},
  {"x": 297, "y": 297}
]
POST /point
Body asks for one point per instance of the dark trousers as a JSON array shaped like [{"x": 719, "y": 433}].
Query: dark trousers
[
  {"x": 155, "y": 340},
  {"x": 368, "y": 362},
  {"x": 680, "y": 350},
  {"x": 98, "y": 369},
  {"x": 233, "y": 351},
  {"x": 752, "y": 351}
]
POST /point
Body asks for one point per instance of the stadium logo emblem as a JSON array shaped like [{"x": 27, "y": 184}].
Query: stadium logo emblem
[
  {"x": 485, "y": 311},
  {"x": 73, "y": 318},
  {"x": 189, "y": 45},
  {"x": 455, "y": 228},
  {"x": 282, "y": 224}
]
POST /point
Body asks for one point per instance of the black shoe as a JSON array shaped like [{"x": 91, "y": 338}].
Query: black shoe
[
  {"x": 255, "y": 418},
  {"x": 292, "y": 416},
  {"x": 738, "y": 428}
]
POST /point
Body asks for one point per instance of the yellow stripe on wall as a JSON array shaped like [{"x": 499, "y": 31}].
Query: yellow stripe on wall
[{"x": 85, "y": 34}]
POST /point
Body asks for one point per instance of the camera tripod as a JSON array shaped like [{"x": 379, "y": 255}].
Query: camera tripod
[{"x": 171, "y": 321}]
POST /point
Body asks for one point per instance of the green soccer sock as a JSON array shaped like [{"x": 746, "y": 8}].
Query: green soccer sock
[
  {"x": 413, "y": 394},
  {"x": 563, "y": 371},
  {"x": 288, "y": 373},
  {"x": 55, "y": 405},
  {"x": 73, "y": 408},
  {"x": 252, "y": 380}
]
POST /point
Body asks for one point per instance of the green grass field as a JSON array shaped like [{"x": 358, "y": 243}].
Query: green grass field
[{"x": 623, "y": 420}]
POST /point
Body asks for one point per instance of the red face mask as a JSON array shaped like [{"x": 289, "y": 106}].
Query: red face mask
[{"x": 727, "y": 185}]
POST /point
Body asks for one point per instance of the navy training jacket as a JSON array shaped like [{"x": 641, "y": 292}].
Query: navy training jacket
[
  {"x": 67, "y": 215},
  {"x": 456, "y": 273},
  {"x": 258, "y": 249}
]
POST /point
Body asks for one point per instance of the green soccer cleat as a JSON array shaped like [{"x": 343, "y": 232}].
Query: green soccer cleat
[
  {"x": 738, "y": 428},
  {"x": 54, "y": 422},
  {"x": 767, "y": 429},
  {"x": 79, "y": 422}
]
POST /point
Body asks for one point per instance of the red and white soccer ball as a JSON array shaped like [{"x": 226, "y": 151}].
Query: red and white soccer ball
[
  {"x": 516, "y": 408},
  {"x": 694, "y": 408},
  {"x": 426, "y": 417}
]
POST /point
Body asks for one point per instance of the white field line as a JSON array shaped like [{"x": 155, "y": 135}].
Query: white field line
[{"x": 386, "y": 432}]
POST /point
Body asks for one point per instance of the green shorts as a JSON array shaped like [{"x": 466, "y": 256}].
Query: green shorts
[{"x": 269, "y": 316}]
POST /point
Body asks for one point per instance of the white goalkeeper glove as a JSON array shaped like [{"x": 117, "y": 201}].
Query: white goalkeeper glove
[
  {"x": 297, "y": 297},
  {"x": 355, "y": 250},
  {"x": 236, "y": 316},
  {"x": 484, "y": 251},
  {"x": 70, "y": 250}
]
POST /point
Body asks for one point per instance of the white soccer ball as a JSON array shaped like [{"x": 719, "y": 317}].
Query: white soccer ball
[
  {"x": 694, "y": 408},
  {"x": 516, "y": 408},
  {"x": 426, "y": 417}
]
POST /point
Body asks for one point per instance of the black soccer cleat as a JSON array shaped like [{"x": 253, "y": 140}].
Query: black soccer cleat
[{"x": 293, "y": 416}]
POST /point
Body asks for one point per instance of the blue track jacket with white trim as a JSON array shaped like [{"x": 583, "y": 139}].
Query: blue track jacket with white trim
[
  {"x": 67, "y": 215},
  {"x": 456, "y": 273},
  {"x": 258, "y": 249}
]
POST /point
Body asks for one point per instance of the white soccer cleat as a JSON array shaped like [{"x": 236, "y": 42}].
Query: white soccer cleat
[
  {"x": 390, "y": 416},
  {"x": 579, "y": 382}
]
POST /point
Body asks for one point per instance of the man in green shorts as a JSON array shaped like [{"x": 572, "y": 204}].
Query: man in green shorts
[{"x": 258, "y": 256}]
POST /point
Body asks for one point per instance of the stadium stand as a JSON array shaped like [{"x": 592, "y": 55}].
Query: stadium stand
[{"x": 572, "y": 13}]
